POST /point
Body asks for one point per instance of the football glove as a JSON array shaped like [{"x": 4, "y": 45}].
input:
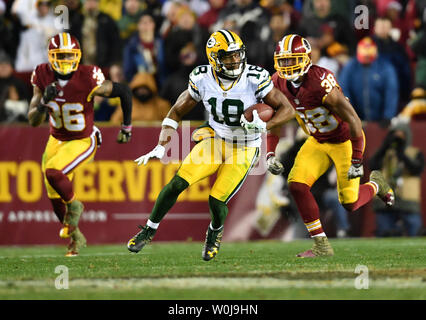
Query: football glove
[
  {"x": 158, "y": 152},
  {"x": 50, "y": 92},
  {"x": 274, "y": 166},
  {"x": 124, "y": 134},
  {"x": 257, "y": 125},
  {"x": 356, "y": 170}
]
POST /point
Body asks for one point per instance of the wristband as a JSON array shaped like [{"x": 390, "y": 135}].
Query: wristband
[{"x": 170, "y": 122}]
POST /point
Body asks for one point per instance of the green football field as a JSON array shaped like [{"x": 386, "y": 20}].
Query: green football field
[{"x": 369, "y": 268}]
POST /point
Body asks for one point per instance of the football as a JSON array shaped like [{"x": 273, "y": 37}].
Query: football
[{"x": 264, "y": 111}]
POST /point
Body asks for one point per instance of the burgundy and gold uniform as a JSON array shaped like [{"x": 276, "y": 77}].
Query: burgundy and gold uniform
[{"x": 73, "y": 137}]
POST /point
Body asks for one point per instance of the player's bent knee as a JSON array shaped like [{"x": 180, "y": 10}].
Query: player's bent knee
[
  {"x": 297, "y": 188},
  {"x": 53, "y": 175},
  {"x": 350, "y": 207},
  {"x": 178, "y": 184}
]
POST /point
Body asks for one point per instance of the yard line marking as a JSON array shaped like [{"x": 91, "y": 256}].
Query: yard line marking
[{"x": 220, "y": 282}]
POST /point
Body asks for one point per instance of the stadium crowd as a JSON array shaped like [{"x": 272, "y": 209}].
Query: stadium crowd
[{"x": 376, "y": 48}]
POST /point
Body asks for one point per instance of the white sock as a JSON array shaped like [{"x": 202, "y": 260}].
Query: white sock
[
  {"x": 211, "y": 227},
  {"x": 152, "y": 225},
  {"x": 322, "y": 234}
]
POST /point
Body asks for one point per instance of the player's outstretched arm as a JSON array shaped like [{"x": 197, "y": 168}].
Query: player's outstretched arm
[
  {"x": 284, "y": 110},
  {"x": 183, "y": 105},
  {"x": 111, "y": 89},
  {"x": 341, "y": 106},
  {"x": 38, "y": 104}
]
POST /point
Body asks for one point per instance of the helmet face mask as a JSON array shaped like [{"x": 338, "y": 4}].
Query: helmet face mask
[
  {"x": 292, "y": 57},
  {"x": 226, "y": 54},
  {"x": 64, "y": 53}
]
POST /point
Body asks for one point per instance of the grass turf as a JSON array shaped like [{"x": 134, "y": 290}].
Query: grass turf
[{"x": 251, "y": 270}]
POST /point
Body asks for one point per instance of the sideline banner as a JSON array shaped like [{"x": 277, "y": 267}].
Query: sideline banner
[{"x": 118, "y": 195}]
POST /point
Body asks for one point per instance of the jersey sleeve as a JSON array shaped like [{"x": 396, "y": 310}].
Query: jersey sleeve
[
  {"x": 261, "y": 81},
  {"x": 36, "y": 79},
  {"x": 194, "y": 83},
  {"x": 323, "y": 81},
  {"x": 96, "y": 78}
]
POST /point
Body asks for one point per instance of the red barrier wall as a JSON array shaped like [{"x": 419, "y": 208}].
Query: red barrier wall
[{"x": 118, "y": 195}]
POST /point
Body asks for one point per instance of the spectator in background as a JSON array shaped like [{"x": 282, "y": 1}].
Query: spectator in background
[
  {"x": 395, "y": 53},
  {"x": 251, "y": 23},
  {"x": 418, "y": 45},
  {"x": 98, "y": 35},
  {"x": 147, "y": 104},
  {"x": 144, "y": 52},
  {"x": 153, "y": 8},
  {"x": 13, "y": 93},
  {"x": 371, "y": 84},
  {"x": 32, "y": 47},
  {"x": 185, "y": 30},
  {"x": 333, "y": 32},
  {"x": 177, "y": 82},
  {"x": 169, "y": 11},
  {"x": 209, "y": 18},
  {"x": 402, "y": 165},
  {"x": 128, "y": 24},
  {"x": 9, "y": 31},
  {"x": 105, "y": 107}
]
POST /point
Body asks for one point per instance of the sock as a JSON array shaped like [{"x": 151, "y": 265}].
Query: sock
[
  {"x": 59, "y": 208},
  {"x": 218, "y": 212},
  {"x": 307, "y": 206},
  {"x": 366, "y": 192},
  {"x": 167, "y": 198},
  {"x": 61, "y": 184}
]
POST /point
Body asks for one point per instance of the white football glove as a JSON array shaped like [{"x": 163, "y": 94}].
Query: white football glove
[
  {"x": 158, "y": 152},
  {"x": 274, "y": 166},
  {"x": 355, "y": 171},
  {"x": 257, "y": 125}
]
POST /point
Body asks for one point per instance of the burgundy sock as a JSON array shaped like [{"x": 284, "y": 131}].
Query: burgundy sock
[
  {"x": 365, "y": 194},
  {"x": 59, "y": 207},
  {"x": 61, "y": 184},
  {"x": 307, "y": 206}
]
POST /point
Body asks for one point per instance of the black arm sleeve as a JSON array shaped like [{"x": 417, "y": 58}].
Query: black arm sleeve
[{"x": 123, "y": 92}]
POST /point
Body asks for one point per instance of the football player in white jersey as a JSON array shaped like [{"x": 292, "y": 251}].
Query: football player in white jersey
[{"x": 227, "y": 144}]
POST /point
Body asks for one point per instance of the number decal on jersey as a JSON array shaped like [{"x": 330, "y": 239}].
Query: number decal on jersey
[
  {"x": 329, "y": 83},
  {"x": 69, "y": 116},
  {"x": 257, "y": 69},
  {"x": 98, "y": 76},
  {"x": 200, "y": 69},
  {"x": 232, "y": 109},
  {"x": 319, "y": 119}
]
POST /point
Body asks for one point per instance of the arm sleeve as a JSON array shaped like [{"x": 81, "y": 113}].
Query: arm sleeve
[{"x": 123, "y": 92}]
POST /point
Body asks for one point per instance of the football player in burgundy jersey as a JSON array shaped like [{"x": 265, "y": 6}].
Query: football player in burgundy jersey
[
  {"x": 336, "y": 137},
  {"x": 64, "y": 90}
]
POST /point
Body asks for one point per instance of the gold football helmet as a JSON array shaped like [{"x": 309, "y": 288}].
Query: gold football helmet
[
  {"x": 64, "y": 53},
  {"x": 226, "y": 53}
]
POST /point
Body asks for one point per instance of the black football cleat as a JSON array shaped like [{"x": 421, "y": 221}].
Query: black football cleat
[
  {"x": 141, "y": 239},
  {"x": 212, "y": 243}
]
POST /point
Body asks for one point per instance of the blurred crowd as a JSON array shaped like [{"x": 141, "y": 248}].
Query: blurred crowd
[{"x": 376, "y": 48}]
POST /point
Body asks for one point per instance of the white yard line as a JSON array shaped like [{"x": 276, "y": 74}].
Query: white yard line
[{"x": 221, "y": 282}]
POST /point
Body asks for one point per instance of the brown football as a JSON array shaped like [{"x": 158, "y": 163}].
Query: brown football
[{"x": 264, "y": 111}]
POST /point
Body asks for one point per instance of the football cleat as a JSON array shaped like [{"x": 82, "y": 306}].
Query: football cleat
[
  {"x": 385, "y": 192},
  {"x": 212, "y": 243},
  {"x": 74, "y": 210},
  {"x": 321, "y": 248},
  {"x": 141, "y": 239},
  {"x": 78, "y": 240}
]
